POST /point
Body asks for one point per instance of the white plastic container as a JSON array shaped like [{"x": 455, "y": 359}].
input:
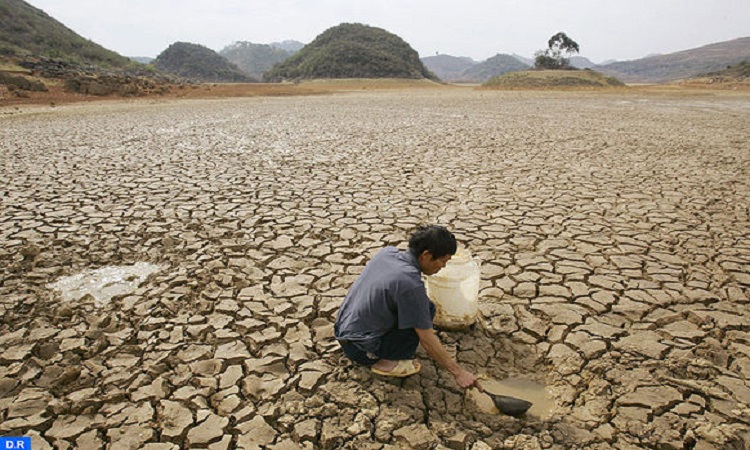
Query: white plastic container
[{"x": 455, "y": 292}]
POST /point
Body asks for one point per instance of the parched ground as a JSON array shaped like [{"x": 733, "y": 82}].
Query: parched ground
[{"x": 613, "y": 231}]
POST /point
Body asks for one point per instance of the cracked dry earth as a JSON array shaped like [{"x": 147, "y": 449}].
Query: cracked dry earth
[{"x": 613, "y": 232}]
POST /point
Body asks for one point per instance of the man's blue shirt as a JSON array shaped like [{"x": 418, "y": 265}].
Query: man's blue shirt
[{"x": 388, "y": 294}]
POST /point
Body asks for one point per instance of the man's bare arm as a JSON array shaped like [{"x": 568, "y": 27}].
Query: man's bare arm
[{"x": 437, "y": 352}]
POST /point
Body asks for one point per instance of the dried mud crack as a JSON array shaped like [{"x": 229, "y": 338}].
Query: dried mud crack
[{"x": 613, "y": 230}]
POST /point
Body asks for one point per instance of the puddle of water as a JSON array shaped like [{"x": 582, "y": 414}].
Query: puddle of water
[
  {"x": 105, "y": 283},
  {"x": 529, "y": 390}
]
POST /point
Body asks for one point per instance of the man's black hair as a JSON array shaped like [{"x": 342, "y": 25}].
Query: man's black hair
[{"x": 433, "y": 238}]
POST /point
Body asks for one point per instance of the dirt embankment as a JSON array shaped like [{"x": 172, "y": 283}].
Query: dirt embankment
[
  {"x": 48, "y": 81},
  {"x": 43, "y": 81}
]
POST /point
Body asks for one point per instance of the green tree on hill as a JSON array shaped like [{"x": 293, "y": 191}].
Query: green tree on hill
[{"x": 552, "y": 58}]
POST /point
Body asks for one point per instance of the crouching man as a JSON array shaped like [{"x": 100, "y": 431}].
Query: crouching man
[{"x": 387, "y": 312}]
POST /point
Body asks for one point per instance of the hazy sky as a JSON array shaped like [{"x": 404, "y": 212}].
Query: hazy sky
[{"x": 604, "y": 29}]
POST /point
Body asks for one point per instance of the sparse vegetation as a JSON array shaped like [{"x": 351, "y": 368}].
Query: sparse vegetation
[
  {"x": 563, "y": 79},
  {"x": 352, "y": 50}
]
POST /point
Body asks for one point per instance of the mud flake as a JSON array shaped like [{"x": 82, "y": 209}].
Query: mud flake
[
  {"x": 210, "y": 429},
  {"x": 684, "y": 329},
  {"x": 658, "y": 398},
  {"x": 309, "y": 380},
  {"x": 131, "y": 437},
  {"x": 28, "y": 403},
  {"x": 67, "y": 427},
  {"x": 255, "y": 433},
  {"x": 233, "y": 351},
  {"x": 174, "y": 418},
  {"x": 584, "y": 343},
  {"x": 644, "y": 343},
  {"x": 89, "y": 440},
  {"x": 565, "y": 360},
  {"x": 230, "y": 377},
  {"x": 17, "y": 353},
  {"x": 261, "y": 387},
  {"x": 416, "y": 436},
  {"x": 194, "y": 352},
  {"x": 306, "y": 430},
  {"x": 333, "y": 434}
]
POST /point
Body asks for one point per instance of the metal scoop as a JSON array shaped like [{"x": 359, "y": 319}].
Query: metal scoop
[{"x": 510, "y": 406}]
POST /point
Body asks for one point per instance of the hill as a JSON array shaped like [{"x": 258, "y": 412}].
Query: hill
[
  {"x": 446, "y": 67},
  {"x": 553, "y": 79},
  {"x": 28, "y": 31},
  {"x": 497, "y": 65},
  {"x": 680, "y": 65},
  {"x": 352, "y": 50},
  {"x": 528, "y": 61},
  {"x": 199, "y": 63},
  {"x": 254, "y": 59}
]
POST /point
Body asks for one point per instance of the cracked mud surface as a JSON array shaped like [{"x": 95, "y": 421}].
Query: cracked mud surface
[{"x": 613, "y": 231}]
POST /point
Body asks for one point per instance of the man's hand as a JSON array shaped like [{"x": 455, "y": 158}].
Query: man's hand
[
  {"x": 467, "y": 380},
  {"x": 437, "y": 352}
]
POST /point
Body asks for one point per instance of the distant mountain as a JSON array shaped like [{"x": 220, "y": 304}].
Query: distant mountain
[
  {"x": 199, "y": 63},
  {"x": 446, "y": 67},
  {"x": 528, "y": 61},
  {"x": 497, "y": 65},
  {"x": 28, "y": 31},
  {"x": 254, "y": 59},
  {"x": 681, "y": 65},
  {"x": 290, "y": 46},
  {"x": 462, "y": 69},
  {"x": 580, "y": 62},
  {"x": 142, "y": 59},
  {"x": 352, "y": 50}
]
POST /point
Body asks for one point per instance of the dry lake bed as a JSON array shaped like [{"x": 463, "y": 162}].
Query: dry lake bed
[{"x": 171, "y": 270}]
